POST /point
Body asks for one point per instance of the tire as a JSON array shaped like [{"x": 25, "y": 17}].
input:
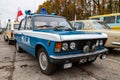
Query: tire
[
  {"x": 46, "y": 66},
  {"x": 9, "y": 42},
  {"x": 18, "y": 49},
  {"x": 5, "y": 39}
]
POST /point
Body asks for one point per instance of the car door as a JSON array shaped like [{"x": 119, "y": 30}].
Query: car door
[
  {"x": 27, "y": 36},
  {"x": 18, "y": 34}
]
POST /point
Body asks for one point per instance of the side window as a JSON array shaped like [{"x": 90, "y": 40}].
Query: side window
[
  {"x": 28, "y": 24},
  {"x": 79, "y": 25},
  {"x": 22, "y": 25},
  {"x": 110, "y": 19},
  {"x": 118, "y": 19}
]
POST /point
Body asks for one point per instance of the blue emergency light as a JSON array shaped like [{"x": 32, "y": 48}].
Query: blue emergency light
[
  {"x": 43, "y": 11},
  {"x": 27, "y": 12}
]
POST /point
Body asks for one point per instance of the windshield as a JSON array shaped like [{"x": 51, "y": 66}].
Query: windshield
[
  {"x": 16, "y": 26},
  {"x": 46, "y": 22},
  {"x": 101, "y": 25}
]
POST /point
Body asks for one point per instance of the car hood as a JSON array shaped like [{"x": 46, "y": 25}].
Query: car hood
[
  {"x": 70, "y": 35},
  {"x": 62, "y": 35},
  {"x": 108, "y": 32}
]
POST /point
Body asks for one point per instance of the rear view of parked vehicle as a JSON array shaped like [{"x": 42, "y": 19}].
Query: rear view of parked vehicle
[{"x": 8, "y": 34}]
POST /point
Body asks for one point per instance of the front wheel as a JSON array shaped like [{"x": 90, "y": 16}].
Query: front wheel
[{"x": 46, "y": 66}]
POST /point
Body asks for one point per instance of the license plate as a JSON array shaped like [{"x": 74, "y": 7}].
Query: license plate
[{"x": 67, "y": 65}]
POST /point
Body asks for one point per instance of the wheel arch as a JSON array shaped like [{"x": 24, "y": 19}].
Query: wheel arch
[{"x": 38, "y": 46}]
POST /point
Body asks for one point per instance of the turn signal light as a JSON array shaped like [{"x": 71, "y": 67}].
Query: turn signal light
[{"x": 58, "y": 47}]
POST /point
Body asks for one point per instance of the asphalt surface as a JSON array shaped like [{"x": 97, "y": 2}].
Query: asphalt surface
[{"x": 22, "y": 66}]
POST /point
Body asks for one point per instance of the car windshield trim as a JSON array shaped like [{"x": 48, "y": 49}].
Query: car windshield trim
[{"x": 48, "y": 22}]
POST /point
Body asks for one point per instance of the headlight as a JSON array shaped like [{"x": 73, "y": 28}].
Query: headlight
[
  {"x": 97, "y": 43},
  {"x": 72, "y": 45},
  {"x": 101, "y": 42},
  {"x": 64, "y": 46}
]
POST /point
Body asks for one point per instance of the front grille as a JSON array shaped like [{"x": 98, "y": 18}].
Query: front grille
[
  {"x": 90, "y": 43},
  {"x": 81, "y": 43}
]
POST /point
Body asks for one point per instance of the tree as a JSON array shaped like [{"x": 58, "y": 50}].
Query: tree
[{"x": 81, "y": 8}]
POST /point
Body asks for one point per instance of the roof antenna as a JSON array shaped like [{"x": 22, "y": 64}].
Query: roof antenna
[{"x": 74, "y": 20}]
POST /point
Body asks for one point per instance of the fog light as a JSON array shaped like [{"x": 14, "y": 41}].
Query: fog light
[
  {"x": 101, "y": 42},
  {"x": 97, "y": 43},
  {"x": 86, "y": 49},
  {"x": 94, "y": 47}
]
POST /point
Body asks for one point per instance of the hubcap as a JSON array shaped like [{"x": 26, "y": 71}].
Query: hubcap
[{"x": 43, "y": 61}]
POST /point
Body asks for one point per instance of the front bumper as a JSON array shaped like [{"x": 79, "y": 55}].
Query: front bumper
[
  {"x": 73, "y": 57},
  {"x": 116, "y": 43}
]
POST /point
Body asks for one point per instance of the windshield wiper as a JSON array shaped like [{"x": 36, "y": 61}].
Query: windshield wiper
[
  {"x": 62, "y": 28},
  {"x": 59, "y": 27}
]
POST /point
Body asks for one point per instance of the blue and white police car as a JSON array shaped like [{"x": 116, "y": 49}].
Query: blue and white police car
[{"x": 52, "y": 40}]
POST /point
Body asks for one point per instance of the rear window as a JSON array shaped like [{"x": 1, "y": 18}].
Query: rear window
[{"x": 16, "y": 26}]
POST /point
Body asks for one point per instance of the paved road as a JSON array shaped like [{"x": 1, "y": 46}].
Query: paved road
[{"x": 22, "y": 66}]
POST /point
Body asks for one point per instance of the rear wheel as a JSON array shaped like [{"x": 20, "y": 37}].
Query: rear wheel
[
  {"x": 9, "y": 41},
  {"x": 46, "y": 66},
  {"x": 18, "y": 49},
  {"x": 5, "y": 39}
]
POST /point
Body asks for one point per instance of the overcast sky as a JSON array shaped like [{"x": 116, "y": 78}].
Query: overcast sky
[{"x": 8, "y": 8}]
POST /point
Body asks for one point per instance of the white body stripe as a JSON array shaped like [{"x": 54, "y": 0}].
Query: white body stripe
[{"x": 57, "y": 37}]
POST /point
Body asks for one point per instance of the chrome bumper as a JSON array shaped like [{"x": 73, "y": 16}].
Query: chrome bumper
[
  {"x": 116, "y": 43},
  {"x": 79, "y": 55}
]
